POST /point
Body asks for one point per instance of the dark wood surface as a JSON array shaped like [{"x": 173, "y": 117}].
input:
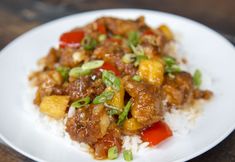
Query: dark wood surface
[{"x": 19, "y": 16}]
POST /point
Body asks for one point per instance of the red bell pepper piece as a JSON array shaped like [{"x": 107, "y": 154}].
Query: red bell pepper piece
[
  {"x": 148, "y": 32},
  {"x": 157, "y": 133},
  {"x": 110, "y": 67},
  {"x": 71, "y": 39},
  {"x": 101, "y": 28}
]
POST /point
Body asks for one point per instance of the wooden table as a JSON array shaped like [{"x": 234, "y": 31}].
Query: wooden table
[{"x": 18, "y": 16}]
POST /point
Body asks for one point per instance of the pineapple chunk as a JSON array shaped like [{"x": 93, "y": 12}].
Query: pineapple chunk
[
  {"x": 152, "y": 71},
  {"x": 54, "y": 106},
  {"x": 131, "y": 124},
  {"x": 118, "y": 98},
  {"x": 167, "y": 32}
]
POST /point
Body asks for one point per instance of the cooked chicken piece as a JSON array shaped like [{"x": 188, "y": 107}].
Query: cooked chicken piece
[
  {"x": 146, "y": 107},
  {"x": 112, "y": 138},
  {"x": 48, "y": 83},
  {"x": 71, "y": 57},
  {"x": 89, "y": 124},
  {"x": 83, "y": 87},
  {"x": 178, "y": 91},
  {"x": 121, "y": 27}
]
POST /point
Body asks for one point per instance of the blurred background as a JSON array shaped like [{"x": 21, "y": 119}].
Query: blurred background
[{"x": 19, "y": 16}]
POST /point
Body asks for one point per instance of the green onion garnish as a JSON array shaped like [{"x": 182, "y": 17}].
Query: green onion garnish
[
  {"x": 169, "y": 60},
  {"x": 78, "y": 71},
  {"x": 136, "y": 78},
  {"x": 171, "y": 65},
  {"x": 80, "y": 103},
  {"x": 124, "y": 114},
  {"x": 117, "y": 36},
  {"x": 89, "y": 43},
  {"x": 129, "y": 58},
  {"x": 110, "y": 80},
  {"x": 113, "y": 112},
  {"x": 102, "y": 37},
  {"x": 133, "y": 38},
  {"x": 127, "y": 155},
  {"x": 172, "y": 69},
  {"x": 197, "y": 78},
  {"x": 113, "y": 153},
  {"x": 64, "y": 72},
  {"x": 92, "y": 64},
  {"x": 112, "y": 109},
  {"x": 103, "y": 97},
  {"x": 137, "y": 50}
]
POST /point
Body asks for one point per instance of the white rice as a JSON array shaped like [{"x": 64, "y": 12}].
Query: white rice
[{"x": 181, "y": 122}]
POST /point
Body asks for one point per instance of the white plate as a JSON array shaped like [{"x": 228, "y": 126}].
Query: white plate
[{"x": 205, "y": 49}]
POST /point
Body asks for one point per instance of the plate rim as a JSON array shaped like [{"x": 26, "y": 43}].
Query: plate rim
[{"x": 186, "y": 158}]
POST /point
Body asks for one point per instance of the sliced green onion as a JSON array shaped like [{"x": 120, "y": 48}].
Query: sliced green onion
[
  {"x": 113, "y": 112},
  {"x": 171, "y": 66},
  {"x": 137, "y": 50},
  {"x": 92, "y": 64},
  {"x": 82, "y": 102},
  {"x": 103, "y": 97},
  {"x": 124, "y": 114},
  {"x": 133, "y": 38},
  {"x": 110, "y": 106},
  {"x": 136, "y": 78},
  {"x": 172, "y": 69},
  {"x": 89, "y": 43},
  {"x": 197, "y": 78},
  {"x": 64, "y": 72},
  {"x": 169, "y": 60},
  {"x": 102, "y": 37},
  {"x": 117, "y": 36},
  {"x": 139, "y": 58},
  {"x": 112, "y": 153},
  {"x": 112, "y": 109},
  {"x": 128, "y": 58},
  {"x": 110, "y": 80},
  {"x": 78, "y": 71},
  {"x": 171, "y": 75},
  {"x": 127, "y": 155}
]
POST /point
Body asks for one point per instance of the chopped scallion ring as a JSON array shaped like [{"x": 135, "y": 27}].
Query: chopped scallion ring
[
  {"x": 110, "y": 80},
  {"x": 127, "y": 155},
  {"x": 102, "y": 37},
  {"x": 124, "y": 114},
  {"x": 117, "y": 36},
  {"x": 129, "y": 58},
  {"x": 197, "y": 78},
  {"x": 136, "y": 78},
  {"x": 113, "y": 153},
  {"x": 171, "y": 66},
  {"x": 89, "y": 43},
  {"x": 169, "y": 60},
  {"x": 78, "y": 71},
  {"x": 133, "y": 38},
  {"x": 137, "y": 50},
  {"x": 103, "y": 97},
  {"x": 172, "y": 69},
  {"x": 112, "y": 109},
  {"x": 92, "y": 64},
  {"x": 64, "y": 72},
  {"x": 80, "y": 103},
  {"x": 113, "y": 112}
]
